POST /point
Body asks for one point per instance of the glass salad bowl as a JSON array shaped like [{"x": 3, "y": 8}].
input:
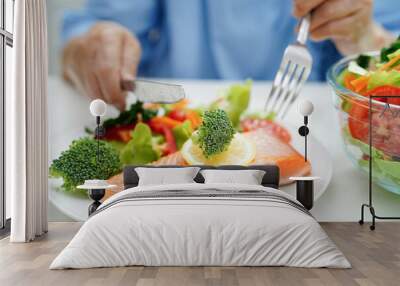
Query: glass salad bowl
[{"x": 353, "y": 111}]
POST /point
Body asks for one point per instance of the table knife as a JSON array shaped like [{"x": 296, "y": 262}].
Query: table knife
[{"x": 154, "y": 91}]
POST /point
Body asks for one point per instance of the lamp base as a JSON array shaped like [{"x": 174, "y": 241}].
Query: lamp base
[
  {"x": 305, "y": 193},
  {"x": 96, "y": 195}
]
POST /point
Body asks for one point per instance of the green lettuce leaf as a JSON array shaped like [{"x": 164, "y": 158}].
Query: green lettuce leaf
[
  {"x": 380, "y": 78},
  {"x": 235, "y": 101},
  {"x": 382, "y": 167},
  {"x": 182, "y": 133},
  {"x": 117, "y": 145},
  {"x": 390, "y": 168},
  {"x": 139, "y": 149},
  {"x": 363, "y": 146}
]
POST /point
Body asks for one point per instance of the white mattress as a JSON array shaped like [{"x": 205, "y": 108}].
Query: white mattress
[{"x": 200, "y": 231}]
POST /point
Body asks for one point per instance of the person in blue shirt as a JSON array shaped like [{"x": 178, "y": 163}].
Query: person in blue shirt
[{"x": 112, "y": 40}]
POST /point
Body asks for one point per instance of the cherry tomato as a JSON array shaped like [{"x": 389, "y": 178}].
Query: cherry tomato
[
  {"x": 179, "y": 115},
  {"x": 119, "y": 133},
  {"x": 358, "y": 113},
  {"x": 395, "y": 101},
  {"x": 358, "y": 121},
  {"x": 386, "y": 90}
]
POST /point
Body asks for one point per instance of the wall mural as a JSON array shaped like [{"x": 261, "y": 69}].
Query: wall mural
[
  {"x": 222, "y": 132},
  {"x": 217, "y": 123}
]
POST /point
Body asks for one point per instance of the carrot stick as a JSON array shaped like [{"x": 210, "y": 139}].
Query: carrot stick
[
  {"x": 389, "y": 63},
  {"x": 194, "y": 118},
  {"x": 348, "y": 79},
  {"x": 165, "y": 121},
  {"x": 181, "y": 104},
  {"x": 360, "y": 83}
]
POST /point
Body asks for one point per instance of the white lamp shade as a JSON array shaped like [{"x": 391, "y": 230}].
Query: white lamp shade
[
  {"x": 98, "y": 107},
  {"x": 306, "y": 107}
]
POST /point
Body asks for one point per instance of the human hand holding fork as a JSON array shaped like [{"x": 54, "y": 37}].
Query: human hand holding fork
[{"x": 350, "y": 26}]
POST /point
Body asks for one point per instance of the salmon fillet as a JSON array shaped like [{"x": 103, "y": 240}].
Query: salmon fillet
[
  {"x": 117, "y": 180},
  {"x": 272, "y": 150},
  {"x": 171, "y": 159}
]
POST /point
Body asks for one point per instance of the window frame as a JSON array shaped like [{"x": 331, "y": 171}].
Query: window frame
[{"x": 6, "y": 39}]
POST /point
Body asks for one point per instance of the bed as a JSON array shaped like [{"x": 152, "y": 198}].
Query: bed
[{"x": 198, "y": 224}]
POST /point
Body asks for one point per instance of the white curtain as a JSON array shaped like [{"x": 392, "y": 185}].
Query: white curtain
[{"x": 26, "y": 118}]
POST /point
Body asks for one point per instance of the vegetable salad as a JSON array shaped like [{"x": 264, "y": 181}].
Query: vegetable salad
[
  {"x": 145, "y": 133},
  {"x": 378, "y": 76},
  {"x": 375, "y": 76}
]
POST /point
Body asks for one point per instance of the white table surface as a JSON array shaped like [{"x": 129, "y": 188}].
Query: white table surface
[{"x": 343, "y": 197}]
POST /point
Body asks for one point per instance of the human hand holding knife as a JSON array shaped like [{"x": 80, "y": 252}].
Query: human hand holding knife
[{"x": 103, "y": 63}]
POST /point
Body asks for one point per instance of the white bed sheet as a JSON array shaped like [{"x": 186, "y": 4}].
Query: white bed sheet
[{"x": 200, "y": 231}]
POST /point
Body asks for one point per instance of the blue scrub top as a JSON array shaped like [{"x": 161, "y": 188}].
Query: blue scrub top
[{"x": 213, "y": 39}]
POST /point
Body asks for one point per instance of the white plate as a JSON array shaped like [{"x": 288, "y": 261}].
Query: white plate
[
  {"x": 66, "y": 126},
  {"x": 76, "y": 206}
]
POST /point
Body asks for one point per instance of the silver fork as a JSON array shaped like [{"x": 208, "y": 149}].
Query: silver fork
[{"x": 293, "y": 72}]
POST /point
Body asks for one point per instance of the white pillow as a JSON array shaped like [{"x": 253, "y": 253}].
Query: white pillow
[
  {"x": 166, "y": 176},
  {"x": 248, "y": 177}
]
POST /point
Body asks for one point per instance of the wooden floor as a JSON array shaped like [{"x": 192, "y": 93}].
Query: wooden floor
[{"x": 375, "y": 257}]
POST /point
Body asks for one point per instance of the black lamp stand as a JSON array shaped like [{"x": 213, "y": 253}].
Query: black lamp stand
[
  {"x": 97, "y": 194},
  {"x": 304, "y": 131},
  {"x": 305, "y": 186},
  {"x": 99, "y": 133}
]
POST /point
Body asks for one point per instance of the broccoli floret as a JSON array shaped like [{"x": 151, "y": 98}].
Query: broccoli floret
[
  {"x": 78, "y": 163},
  {"x": 215, "y": 133}
]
